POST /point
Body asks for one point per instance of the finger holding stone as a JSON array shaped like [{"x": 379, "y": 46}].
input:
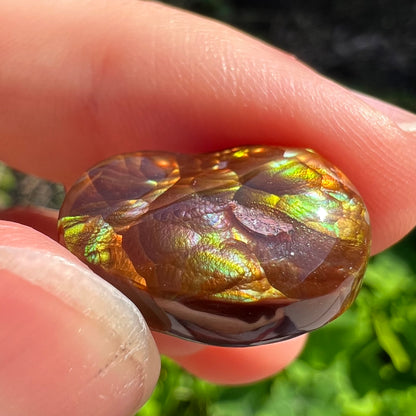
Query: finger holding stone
[{"x": 71, "y": 342}]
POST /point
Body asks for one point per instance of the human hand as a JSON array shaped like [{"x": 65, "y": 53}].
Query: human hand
[{"x": 82, "y": 81}]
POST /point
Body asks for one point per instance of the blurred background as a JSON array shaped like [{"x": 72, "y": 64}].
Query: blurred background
[{"x": 363, "y": 364}]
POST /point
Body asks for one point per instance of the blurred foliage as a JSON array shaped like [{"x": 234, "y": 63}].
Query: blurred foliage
[
  {"x": 7, "y": 184},
  {"x": 31, "y": 190},
  {"x": 362, "y": 364},
  {"x": 18, "y": 188},
  {"x": 368, "y": 45}
]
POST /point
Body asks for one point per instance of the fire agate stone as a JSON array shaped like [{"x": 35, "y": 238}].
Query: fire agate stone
[{"x": 240, "y": 247}]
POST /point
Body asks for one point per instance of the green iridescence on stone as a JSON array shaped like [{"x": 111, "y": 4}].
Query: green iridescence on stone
[{"x": 241, "y": 247}]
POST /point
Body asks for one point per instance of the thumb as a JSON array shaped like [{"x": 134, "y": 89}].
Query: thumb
[{"x": 71, "y": 344}]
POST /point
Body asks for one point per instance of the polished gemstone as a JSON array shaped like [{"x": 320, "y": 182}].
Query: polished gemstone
[{"x": 240, "y": 247}]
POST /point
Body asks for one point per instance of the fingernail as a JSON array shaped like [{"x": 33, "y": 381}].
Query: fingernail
[
  {"x": 404, "y": 119},
  {"x": 73, "y": 324}
]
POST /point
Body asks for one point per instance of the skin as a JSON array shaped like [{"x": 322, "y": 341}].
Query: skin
[{"x": 80, "y": 81}]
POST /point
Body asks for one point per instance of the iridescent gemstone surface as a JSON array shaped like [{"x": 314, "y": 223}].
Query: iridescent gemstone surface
[{"x": 240, "y": 247}]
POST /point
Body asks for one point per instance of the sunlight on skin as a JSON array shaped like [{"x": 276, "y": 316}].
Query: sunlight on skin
[
  {"x": 71, "y": 85},
  {"x": 231, "y": 366},
  {"x": 86, "y": 63},
  {"x": 74, "y": 342},
  {"x": 187, "y": 353}
]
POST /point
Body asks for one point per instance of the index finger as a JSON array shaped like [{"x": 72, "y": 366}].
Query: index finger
[{"x": 83, "y": 82}]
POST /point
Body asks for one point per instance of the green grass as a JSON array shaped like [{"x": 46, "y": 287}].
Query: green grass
[
  {"x": 7, "y": 184},
  {"x": 362, "y": 364}
]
